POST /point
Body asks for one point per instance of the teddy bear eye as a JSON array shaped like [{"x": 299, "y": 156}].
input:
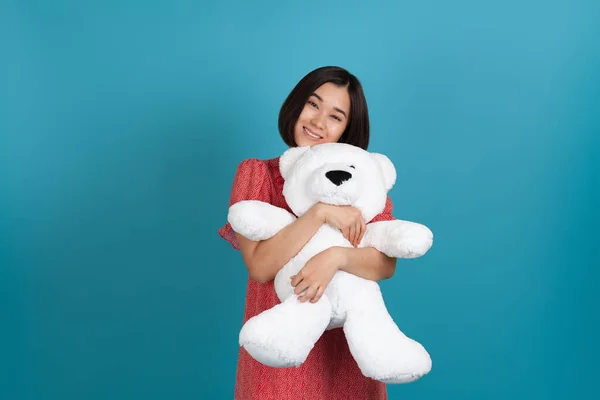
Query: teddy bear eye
[{"x": 352, "y": 166}]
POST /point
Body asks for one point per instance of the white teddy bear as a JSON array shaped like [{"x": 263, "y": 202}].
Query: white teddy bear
[{"x": 283, "y": 336}]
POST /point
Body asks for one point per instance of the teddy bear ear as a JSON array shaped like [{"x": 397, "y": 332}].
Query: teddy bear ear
[
  {"x": 289, "y": 158},
  {"x": 388, "y": 169}
]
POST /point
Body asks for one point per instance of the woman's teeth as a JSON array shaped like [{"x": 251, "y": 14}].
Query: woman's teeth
[{"x": 312, "y": 135}]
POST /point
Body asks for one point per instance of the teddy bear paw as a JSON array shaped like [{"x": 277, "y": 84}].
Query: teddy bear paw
[{"x": 413, "y": 240}]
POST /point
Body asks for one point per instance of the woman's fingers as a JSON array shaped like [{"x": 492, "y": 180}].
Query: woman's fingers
[
  {"x": 309, "y": 295},
  {"x": 363, "y": 229},
  {"x": 357, "y": 233},
  {"x": 317, "y": 297},
  {"x": 296, "y": 279},
  {"x": 301, "y": 287},
  {"x": 346, "y": 233},
  {"x": 349, "y": 221}
]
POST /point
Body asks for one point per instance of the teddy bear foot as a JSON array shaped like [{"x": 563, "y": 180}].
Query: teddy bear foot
[
  {"x": 403, "y": 364},
  {"x": 402, "y": 378},
  {"x": 382, "y": 351},
  {"x": 269, "y": 356},
  {"x": 284, "y": 335}
]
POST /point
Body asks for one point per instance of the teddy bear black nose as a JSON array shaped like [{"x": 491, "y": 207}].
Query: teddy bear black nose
[{"x": 338, "y": 177}]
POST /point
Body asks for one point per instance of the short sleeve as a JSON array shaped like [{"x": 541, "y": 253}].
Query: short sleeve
[
  {"x": 251, "y": 182},
  {"x": 386, "y": 214}
]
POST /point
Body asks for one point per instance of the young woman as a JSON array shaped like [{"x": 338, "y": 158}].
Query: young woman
[{"x": 327, "y": 105}]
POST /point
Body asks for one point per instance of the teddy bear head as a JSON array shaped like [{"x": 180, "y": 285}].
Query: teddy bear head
[{"x": 338, "y": 174}]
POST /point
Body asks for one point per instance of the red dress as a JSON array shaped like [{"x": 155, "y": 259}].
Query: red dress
[{"x": 329, "y": 372}]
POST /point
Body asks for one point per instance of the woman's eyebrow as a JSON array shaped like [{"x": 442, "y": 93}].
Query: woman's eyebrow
[
  {"x": 316, "y": 95},
  {"x": 340, "y": 111},
  {"x": 335, "y": 108}
]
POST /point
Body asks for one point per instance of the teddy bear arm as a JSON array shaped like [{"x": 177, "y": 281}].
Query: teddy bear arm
[
  {"x": 257, "y": 220},
  {"x": 398, "y": 239}
]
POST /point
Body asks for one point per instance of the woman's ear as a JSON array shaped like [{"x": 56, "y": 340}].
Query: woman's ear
[
  {"x": 289, "y": 158},
  {"x": 387, "y": 168}
]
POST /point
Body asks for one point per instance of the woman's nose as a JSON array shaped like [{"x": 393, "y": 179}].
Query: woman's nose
[{"x": 317, "y": 120}]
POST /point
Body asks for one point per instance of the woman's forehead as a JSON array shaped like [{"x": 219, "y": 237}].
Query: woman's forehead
[{"x": 333, "y": 95}]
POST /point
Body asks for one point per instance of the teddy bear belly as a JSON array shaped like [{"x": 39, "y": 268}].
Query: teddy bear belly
[
  {"x": 325, "y": 238},
  {"x": 347, "y": 291},
  {"x": 344, "y": 289}
]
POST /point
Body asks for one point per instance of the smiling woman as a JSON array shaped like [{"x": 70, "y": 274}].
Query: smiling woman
[
  {"x": 323, "y": 118},
  {"x": 326, "y": 106}
]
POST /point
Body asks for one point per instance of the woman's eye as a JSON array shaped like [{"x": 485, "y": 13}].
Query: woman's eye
[
  {"x": 312, "y": 103},
  {"x": 336, "y": 117}
]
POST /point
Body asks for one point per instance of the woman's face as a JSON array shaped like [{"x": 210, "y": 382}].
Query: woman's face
[{"x": 324, "y": 117}]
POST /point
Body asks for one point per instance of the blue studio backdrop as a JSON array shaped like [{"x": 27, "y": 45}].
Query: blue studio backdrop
[{"x": 122, "y": 124}]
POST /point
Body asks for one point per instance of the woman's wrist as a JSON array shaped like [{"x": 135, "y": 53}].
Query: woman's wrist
[
  {"x": 318, "y": 211},
  {"x": 340, "y": 256}
]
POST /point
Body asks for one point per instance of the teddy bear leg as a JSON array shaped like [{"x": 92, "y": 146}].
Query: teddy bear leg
[
  {"x": 284, "y": 335},
  {"x": 381, "y": 350}
]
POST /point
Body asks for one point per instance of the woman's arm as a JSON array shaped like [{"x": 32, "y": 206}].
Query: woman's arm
[
  {"x": 265, "y": 258},
  {"x": 318, "y": 272},
  {"x": 368, "y": 263}
]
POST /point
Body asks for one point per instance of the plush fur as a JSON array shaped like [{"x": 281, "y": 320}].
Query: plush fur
[{"x": 284, "y": 335}]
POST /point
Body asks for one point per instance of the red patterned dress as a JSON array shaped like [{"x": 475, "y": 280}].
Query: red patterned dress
[{"x": 329, "y": 372}]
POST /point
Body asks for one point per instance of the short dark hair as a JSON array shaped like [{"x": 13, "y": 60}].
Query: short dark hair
[{"x": 357, "y": 130}]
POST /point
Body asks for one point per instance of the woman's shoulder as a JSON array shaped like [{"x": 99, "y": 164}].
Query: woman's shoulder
[{"x": 258, "y": 168}]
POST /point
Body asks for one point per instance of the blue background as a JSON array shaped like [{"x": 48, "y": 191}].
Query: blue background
[{"x": 122, "y": 123}]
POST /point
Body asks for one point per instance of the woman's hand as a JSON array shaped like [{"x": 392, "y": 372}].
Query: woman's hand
[
  {"x": 347, "y": 219},
  {"x": 317, "y": 274}
]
